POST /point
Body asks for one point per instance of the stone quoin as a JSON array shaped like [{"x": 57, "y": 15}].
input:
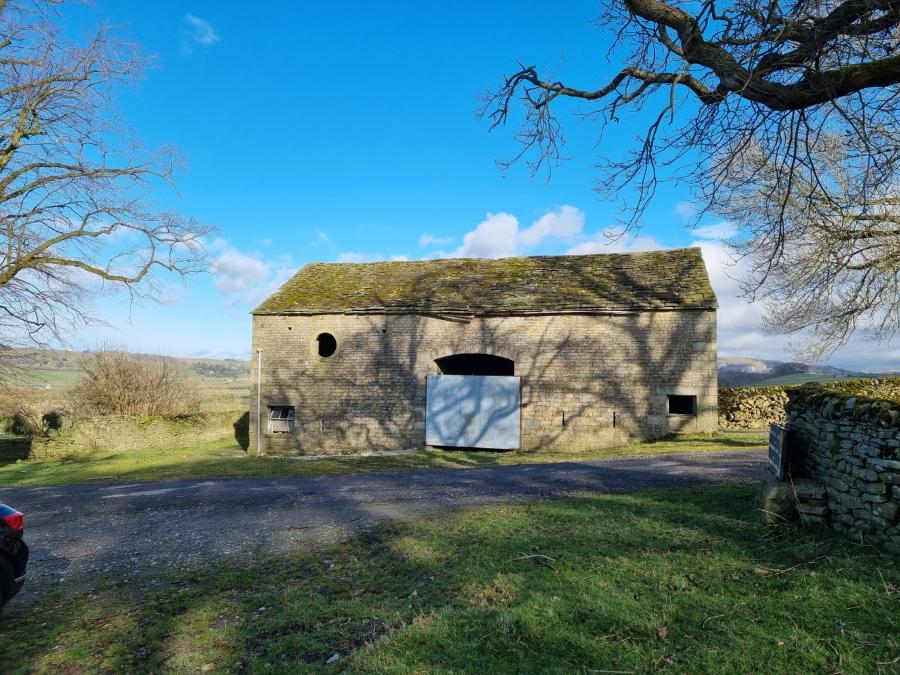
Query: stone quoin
[{"x": 608, "y": 348}]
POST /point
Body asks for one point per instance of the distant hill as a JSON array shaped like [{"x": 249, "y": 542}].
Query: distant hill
[
  {"x": 746, "y": 372},
  {"x": 52, "y": 368},
  {"x": 57, "y": 368}
]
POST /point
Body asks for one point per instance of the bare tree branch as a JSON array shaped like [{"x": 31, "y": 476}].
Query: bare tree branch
[
  {"x": 771, "y": 112},
  {"x": 76, "y": 217}
]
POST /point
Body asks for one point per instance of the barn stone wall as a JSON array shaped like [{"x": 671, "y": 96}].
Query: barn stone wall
[{"x": 588, "y": 380}]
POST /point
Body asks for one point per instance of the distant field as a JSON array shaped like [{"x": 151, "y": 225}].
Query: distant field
[
  {"x": 217, "y": 393},
  {"x": 224, "y": 384},
  {"x": 225, "y": 393},
  {"x": 44, "y": 379}
]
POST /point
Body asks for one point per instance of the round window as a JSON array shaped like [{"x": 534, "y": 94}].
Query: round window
[{"x": 326, "y": 345}]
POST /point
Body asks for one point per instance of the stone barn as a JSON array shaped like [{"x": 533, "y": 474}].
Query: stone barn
[{"x": 531, "y": 353}]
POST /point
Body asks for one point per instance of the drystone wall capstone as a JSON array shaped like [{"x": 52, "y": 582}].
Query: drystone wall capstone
[
  {"x": 845, "y": 455},
  {"x": 751, "y": 407}
]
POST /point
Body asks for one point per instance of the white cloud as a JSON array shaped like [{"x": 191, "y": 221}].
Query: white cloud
[
  {"x": 427, "y": 240},
  {"x": 494, "y": 237},
  {"x": 172, "y": 293},
  {"x": 499, "y": 235},
  {"x": 246, "y": 278},
  {"x": 563, "y": 224},
  {"x": 235, "y": 272},
  {"x": 721, "y": 230},
  {"x": 741, "y": 330},
  {"x": 354, "y": 257},
  {"x": 685, "y": 210},
  {"x": 606, "y": 241},
  {"x": 197, "y": 31}
]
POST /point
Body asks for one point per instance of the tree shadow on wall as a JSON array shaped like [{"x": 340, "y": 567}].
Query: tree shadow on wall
[{"x": 372, "y": 393}]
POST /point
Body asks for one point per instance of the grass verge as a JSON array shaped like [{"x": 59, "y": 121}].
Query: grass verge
[
  {"x": 681, "y": 580},
  {"x": 226, "y": 459}
]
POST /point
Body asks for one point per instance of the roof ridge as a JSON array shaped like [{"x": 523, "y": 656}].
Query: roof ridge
[
  {"x": 639, "y": 280},
  {"x": 505, "y": 258}
]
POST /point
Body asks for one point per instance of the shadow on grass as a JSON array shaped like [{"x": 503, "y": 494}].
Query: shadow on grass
[
  {"x": 242, "y": 431},
  {"x": 727, "y": 439},
  {"x": 223, "y": 460},
  {"x": 544, "y": 587}
]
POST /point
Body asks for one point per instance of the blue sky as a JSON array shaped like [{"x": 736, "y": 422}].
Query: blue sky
[{"x": 346, "y": 131}]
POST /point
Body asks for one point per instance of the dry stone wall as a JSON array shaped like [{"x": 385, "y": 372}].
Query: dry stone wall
[
  {"x": 845, "y": 455},
  {"x": 115, "y": 433},
  {"x": 751, "y": 407},
  {"x": 587, "y": 380}
]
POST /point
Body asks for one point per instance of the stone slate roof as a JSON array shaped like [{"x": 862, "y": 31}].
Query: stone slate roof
[{"x": 673, "y": 279}]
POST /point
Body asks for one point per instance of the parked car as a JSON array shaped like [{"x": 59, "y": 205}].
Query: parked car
[{"x": 13, "y": 553}]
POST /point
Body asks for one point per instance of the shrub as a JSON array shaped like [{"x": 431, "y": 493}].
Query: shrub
[{"x": 116, "y": 382}]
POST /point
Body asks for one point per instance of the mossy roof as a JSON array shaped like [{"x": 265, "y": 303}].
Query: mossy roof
[{"x": 674, "y": 279}]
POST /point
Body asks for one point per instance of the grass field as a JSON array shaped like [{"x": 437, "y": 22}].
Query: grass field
[
  {"x": 44, "y": 379},
  {"x": 225, "y": 458},
  {"x": 676, "y": 580},
  {"x": 224, "y": 393}
]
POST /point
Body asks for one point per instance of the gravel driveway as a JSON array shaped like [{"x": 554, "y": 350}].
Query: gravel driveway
[{"x": 83, "y": 533}]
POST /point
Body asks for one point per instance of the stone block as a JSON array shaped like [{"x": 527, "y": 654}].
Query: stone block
[
  {"x": 850, "y": 501},
  {"x": 838, "y": 484},
  {"x": 809, "y": 489},
  {"x": 869, "y": 475},
  {"x": 776, "y": 500},
  {"x": 888, "y": 511},
  {"x": 884, "y": 464},
  {"x": 890, "y": 478}
]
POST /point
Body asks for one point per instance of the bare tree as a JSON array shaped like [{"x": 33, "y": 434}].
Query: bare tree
[
  {"x": 789, "y": 106},
  {"x": 838, "y": 268},
  {"x": 76, "y": 219}
]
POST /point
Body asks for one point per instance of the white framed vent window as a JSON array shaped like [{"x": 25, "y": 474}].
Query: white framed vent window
[{"x": 281, "y": 419}]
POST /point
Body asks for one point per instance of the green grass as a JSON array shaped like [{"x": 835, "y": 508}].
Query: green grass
[
  {"x": 685, "y": 580},
  {"x": 226, "y": 459},
  {"x": 40, "y": 378}
]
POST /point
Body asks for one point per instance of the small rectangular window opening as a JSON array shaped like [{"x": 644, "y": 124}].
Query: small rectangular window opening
[
  {"x": 281, "y": 419},
  {"x": 679, "y": 404}
]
